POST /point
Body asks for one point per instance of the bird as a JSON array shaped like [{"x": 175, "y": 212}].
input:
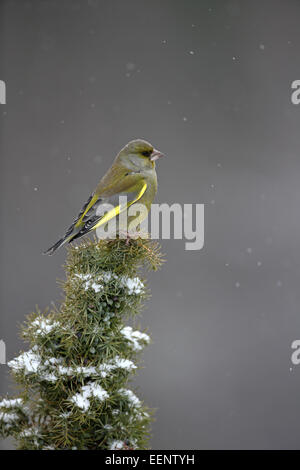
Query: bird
[{"x": 132, "y": 174}]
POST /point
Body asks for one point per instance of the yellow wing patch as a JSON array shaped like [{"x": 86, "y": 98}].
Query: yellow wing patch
[
  {"x": 86, "y": 209},
  {"x": 117, "y": 210}
]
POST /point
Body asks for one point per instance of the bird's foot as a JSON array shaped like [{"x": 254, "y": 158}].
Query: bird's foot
[{"x": 132, "y": 235}]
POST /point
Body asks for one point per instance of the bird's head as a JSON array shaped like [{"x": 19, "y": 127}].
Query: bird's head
[{"x": 139, "y": 154}]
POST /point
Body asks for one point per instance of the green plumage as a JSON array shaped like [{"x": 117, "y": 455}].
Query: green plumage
[{"x": 133, "y": 175}]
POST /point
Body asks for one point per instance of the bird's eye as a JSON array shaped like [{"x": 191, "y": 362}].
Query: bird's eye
[{"x": 146, "y": 153}]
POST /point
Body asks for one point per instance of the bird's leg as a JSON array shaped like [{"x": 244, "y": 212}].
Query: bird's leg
[
  {"x": 124, "y": 234},
  {"x": 135, "y": 235},
  {"x": 132, "y": 235}
]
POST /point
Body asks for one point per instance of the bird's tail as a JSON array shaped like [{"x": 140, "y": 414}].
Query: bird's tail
[{"x": 56, "y": 245}]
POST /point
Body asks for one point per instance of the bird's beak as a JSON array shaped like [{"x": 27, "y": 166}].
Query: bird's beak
[{"x": 155, "y": 155}]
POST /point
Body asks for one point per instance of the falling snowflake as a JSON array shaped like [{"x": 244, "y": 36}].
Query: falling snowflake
[{"x": 130, "y": 66}]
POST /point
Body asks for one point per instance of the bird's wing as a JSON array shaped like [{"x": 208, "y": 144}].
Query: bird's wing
[
  {"x": 92, "y": 221},
  {"x": 92, "y": 200},
  {"x": 103, "y": 191},
  {"x": 117, "y": 181},
  {"x": 75, "y": 225}
]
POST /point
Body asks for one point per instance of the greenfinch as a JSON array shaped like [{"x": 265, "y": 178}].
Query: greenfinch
[{"x": 132, "y": 175}]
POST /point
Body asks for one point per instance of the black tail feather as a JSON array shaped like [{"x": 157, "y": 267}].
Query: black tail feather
[{"x": 55, "y": 247}]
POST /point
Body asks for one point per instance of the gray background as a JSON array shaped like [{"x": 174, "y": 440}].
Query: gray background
[{"x": 85, "y": 77}]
